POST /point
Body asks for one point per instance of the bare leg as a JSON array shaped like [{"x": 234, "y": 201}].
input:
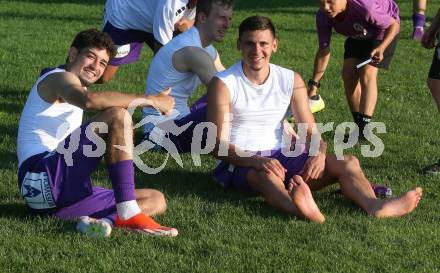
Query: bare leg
[
  {"x": 368, "y": 80},
  {"x": 109, "y": 72},
  {"x": 434, "y": 87},
  {"x": 350, "y": 76},
  {"x": 120, "y": 132},
  {"x": 302, "y": 198},
  {"x": 356, "y": 187},
  {"x": 151, "y": 202},
  {"x": 298, "y": 200},
  {"x": 419, "y": 6}
]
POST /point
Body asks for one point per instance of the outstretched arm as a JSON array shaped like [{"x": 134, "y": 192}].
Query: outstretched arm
[
  {"x": 67, "y": 87},
  {"x": 322, "y": 58},
  {"x": 218, "y": 114}
]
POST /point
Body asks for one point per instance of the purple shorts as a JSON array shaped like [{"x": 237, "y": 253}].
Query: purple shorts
[
  {"x": 129, "y": 43},
  {"x": 50, "y": 186},
  {"x": 197, "y": 115},
  {"x": 230, "y": 176}
]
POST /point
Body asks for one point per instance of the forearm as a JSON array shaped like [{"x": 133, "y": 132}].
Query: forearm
[
  {"x": 234, "y": 155},
  {"x": 102, "y": 100},
  {"x": 322, "y": 58},
  {"x": 390, "y": 34}
]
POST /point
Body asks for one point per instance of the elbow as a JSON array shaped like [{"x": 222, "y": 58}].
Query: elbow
[{"x": 91, "y": 102}]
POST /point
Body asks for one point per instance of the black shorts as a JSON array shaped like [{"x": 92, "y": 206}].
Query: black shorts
[
  {"x": 434, "y": 71},
  {"x": 361, "y": 49}
]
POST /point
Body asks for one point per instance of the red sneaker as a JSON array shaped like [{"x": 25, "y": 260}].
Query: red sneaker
[{"x": 145, "y": 224}]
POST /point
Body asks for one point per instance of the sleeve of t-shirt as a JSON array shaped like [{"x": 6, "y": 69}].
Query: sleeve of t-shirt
[
  {"x": 165, "y": 17},
  {"x": 324, "y": 29},
  {"x": 212, "y": 52},
  {"x": 378, "y": 16}
]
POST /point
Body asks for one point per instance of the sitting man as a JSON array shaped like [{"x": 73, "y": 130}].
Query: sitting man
[
  {"x": 57, "y": 154},
  {"x": 247, "y": 103},
  {"x": 182, "y": 64}
]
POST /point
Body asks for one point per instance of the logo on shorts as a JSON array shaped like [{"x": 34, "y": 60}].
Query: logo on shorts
[
  {"x": 122, "y": 50},
  {"x": 36, "y": 191},
  {"x": 362, "y": 32},
  {"x": 31, "y": 192}
]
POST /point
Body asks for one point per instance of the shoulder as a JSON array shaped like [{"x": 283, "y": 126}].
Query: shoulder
[
  {"x": 192, "y": 55},
  {"x": 173, "y": 6},
  {"x": 231, "y": 72},
  {"x": 363, "y": 7},
  {"x": 282, "y": 72},
  {"x": 56, "y": 81},
  {"x": 52, "y": 84},
  {"x": 62, "y": 77}
]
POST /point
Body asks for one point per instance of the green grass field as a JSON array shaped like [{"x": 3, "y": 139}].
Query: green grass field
[{"x": 228, "y": 231}]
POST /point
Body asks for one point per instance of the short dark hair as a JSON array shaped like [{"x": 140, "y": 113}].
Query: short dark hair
[
  {"x": 205, "y": 6},
  {"x": 94, "y": 38},
  {"x": 256, "y": 23}
]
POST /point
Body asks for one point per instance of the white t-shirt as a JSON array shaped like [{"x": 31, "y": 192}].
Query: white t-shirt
[
  {"x": 257, "y": 111},
  {"x": 44, "y": 125},
  {"x": 152, "y": 16}
]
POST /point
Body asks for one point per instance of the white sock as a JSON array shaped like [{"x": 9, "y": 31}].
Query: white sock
[{"x": 128, "y": 209}]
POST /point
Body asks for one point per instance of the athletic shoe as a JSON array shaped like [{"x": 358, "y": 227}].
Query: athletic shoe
[
  {"x": 417, "y": 34},
  {"x": 382, "y": 191},
  {"x": 96, "y": 228},
  {"x": 145, "y": 224},
  {"x": 432, "y": 169},
  {"x": 316, "y": 103}
]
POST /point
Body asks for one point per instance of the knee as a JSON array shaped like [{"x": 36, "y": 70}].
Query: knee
[
  {"x": 117, "y": 116},
  {"x": 351, "y": 163},
  {"x": 161, "y": 203},
  {"x": 158, "y": 202},
  {"x": 260, "y": 180},
  {"x": 368, "y": 75},
  {"x": 347, "y": 74}
]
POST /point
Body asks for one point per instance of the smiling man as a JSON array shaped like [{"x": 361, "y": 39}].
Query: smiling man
[
  {"x": 56, "y": 182},
  {"x": 248, "y": 103},
  {"x": 184, "y": 63}
]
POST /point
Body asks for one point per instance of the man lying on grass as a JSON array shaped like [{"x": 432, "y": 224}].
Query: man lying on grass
[
  {"x": 247, "y": 103},
  {"x": 55, "y": 182}
]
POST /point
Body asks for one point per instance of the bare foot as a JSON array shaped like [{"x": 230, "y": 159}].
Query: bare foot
[
  {"x": 303, "y": 200},
  {"x": 399, "y": 206}
]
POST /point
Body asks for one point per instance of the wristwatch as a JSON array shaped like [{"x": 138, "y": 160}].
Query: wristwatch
[{"x": 313, "y": 83}]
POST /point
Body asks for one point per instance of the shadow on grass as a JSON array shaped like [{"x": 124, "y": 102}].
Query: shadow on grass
[
  {"x": 177, "y": 184},
  {"x": 264, "y": 5},
  {"x": 13, "y": 210},
  {"x": 42, "y": 223},
  {"x": 92, "y": 21},
  {"x": 81, "y": 2},
  {"x": 239, "y": 4}
]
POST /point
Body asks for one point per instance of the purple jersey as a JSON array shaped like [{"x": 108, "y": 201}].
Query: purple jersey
[{"x": 366, "y": 19}]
